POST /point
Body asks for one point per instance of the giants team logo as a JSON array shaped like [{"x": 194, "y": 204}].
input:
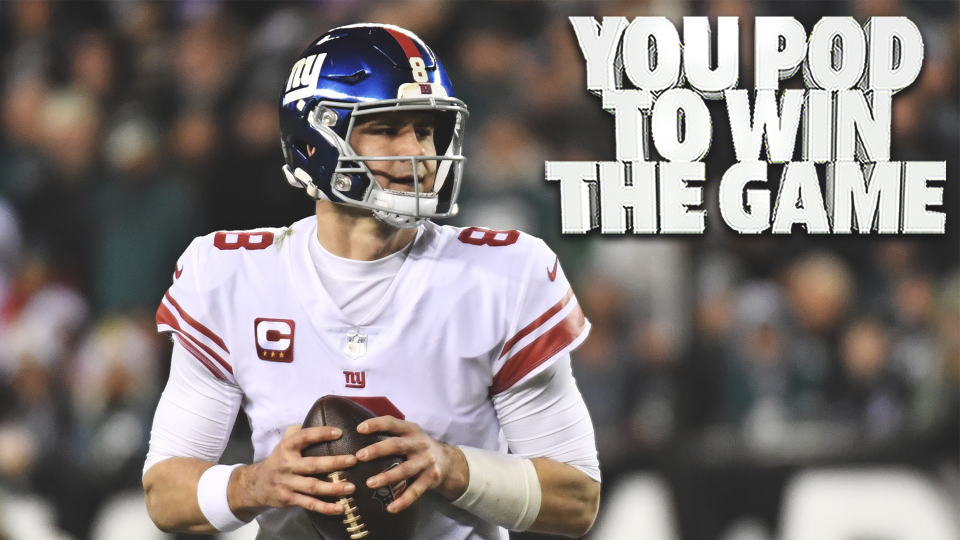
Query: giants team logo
[
  {"x": 274, "y": 339},
  {"x": 303, "y": 78},
  {"x": 356, "y": 345},
  {"x": 388, "y": 494},
  {"x": 355, "y": 379}
]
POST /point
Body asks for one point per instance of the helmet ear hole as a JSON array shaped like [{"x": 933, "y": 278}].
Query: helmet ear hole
[{"x": 305, "y": 149}]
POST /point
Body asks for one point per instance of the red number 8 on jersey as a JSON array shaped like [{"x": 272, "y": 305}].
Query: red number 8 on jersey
[
  {"x": 245, "y": 240},
  {"x": 485, "y": 237}
]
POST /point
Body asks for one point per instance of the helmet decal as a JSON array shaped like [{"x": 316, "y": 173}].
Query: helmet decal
[
  {"x": 303, "y": 78},
  {"x": 404, "y": 40}
]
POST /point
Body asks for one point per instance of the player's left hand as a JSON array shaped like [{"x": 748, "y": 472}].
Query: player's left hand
[{"x": 430, "y": 464}]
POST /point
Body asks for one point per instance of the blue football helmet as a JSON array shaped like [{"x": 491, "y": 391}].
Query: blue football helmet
[{"x": 359, "y": 70}]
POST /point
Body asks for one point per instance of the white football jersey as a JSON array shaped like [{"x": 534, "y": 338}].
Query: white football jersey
[{"x": 471, "y": 313}]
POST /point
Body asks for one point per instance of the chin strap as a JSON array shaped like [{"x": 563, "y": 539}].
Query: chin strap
[
  {"x": 397, "y": 220},
  {"x": 383, "y": 199},
  {"x": 300, "y": 179},
  {"x": 403, "y": 202}
]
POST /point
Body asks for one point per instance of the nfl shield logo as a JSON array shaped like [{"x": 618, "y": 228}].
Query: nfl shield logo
[{"x": 356, "y": 345}]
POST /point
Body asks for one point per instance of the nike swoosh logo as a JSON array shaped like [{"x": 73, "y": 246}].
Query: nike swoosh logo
[
  {"x": 176, "y": 272},
  {"x": 552, "y": 274}
]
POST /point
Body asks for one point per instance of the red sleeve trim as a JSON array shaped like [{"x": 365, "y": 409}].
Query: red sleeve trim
[
  {"x": 165, "y": 316},
  {"x": 196, "y": 324},
  {"x": 199, "y": 356},
  {"x": 537, "y": 323},
  {"x": 539, "y": 351}
]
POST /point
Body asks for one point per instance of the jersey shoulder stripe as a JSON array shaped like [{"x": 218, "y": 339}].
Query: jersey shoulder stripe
[
  {"x": 522, "y": 270},
  {"x": 195, "y": 323},
  {"x": 537, "y": 323},
  {"x": 200, "y": 357},
  {"x": 168, "y": 322},
  {"x": 560, "y": 330}
]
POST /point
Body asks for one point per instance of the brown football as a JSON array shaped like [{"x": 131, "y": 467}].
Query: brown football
[{"x": 366, "y": 514}]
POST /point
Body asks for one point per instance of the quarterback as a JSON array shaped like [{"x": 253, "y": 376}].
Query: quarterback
[{"x": 458, "y": 337}]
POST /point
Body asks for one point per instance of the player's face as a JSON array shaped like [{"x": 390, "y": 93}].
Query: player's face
[{"x": 408, "y": 133}]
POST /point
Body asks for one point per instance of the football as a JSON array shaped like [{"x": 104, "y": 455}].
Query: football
[{"x": 366, "y": 513}]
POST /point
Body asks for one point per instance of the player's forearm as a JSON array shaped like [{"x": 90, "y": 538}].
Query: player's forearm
[
  {"x": 570, "y": 499},
  {"x": 171, "y": 492}
]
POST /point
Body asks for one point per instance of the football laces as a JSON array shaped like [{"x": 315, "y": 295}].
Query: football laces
[{"x": 355, "y": 526}]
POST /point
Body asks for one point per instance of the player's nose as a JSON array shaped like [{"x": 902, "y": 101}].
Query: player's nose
[{"x": 408, "y": 144}]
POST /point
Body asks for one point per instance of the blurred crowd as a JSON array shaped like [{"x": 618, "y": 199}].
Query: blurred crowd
[{"x": 129, "y": 127}]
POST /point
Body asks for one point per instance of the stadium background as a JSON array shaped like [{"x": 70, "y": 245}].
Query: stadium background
[{"x": 719, "y": 367}]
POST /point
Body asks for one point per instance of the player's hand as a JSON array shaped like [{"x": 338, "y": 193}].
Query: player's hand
[
  {"x": 430, "y": 463},
  {"x": 281, "y": 480}
]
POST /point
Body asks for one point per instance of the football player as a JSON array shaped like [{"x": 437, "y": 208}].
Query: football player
[{"x": 459, "y": 338}]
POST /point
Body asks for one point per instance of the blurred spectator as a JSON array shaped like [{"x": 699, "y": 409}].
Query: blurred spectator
[
  {"x": 820, "y": 288},
  {"x": 555, "y": 82},
  {"x": 145, "y": 217},
  {"x": 113, "y": 390},
  {"x": 193, "y": 142},
  {"x": 38, "y": 335},
  {"x": 758, "y": 391},
  {"x": 603, "y": 366},
  {"x": 653, "y": 415},
  {"x": 92, "y": 66},
  {"x": 915, "y": 354},
  {"x": 32, "y": 49},
  {"x": 246, "y": 188},
  {"x": 281, "y": 33},
  {"x": 875, "y": 395},
  {"x": 44, "y": 328},
  {"x": 508, "y": 158},
  {"x": 491, "y": 61},
  {"x": 205, "y": 58},
  {"x": 22, "y": 166},
  {"x": 56, "y": 217},
  {"x": 653, "y": 273},
  {"x": 701, "y": 398}
]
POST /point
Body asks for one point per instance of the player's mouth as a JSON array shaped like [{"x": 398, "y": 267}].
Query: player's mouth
[{"x": 401, "y": 183}]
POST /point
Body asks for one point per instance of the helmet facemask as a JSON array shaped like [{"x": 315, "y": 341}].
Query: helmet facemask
[
  {"x": 355, "y": 71},
  {"x": 399, "y": 208}
]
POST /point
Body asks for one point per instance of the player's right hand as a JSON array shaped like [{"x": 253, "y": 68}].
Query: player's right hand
[{"x": 282, "y": 480}]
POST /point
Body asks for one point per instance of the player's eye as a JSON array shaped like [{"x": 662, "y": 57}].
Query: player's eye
[{"x": 424, "y": 132}]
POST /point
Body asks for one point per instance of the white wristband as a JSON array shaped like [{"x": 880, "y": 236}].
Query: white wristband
[
  {"x": 212, "y": 496},
  {"x": 503, "y": 489}
]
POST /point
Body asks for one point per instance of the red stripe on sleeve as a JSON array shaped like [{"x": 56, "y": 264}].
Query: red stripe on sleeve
[
  {"x": 404, "y": 40},
  {"x": 541, "y": 350},
  {"x": 536, "y": 323},
  {"x": 165, "y": 316},
  {"x": 203, "y": 360},
  {"x": 196, "y": 324}
]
